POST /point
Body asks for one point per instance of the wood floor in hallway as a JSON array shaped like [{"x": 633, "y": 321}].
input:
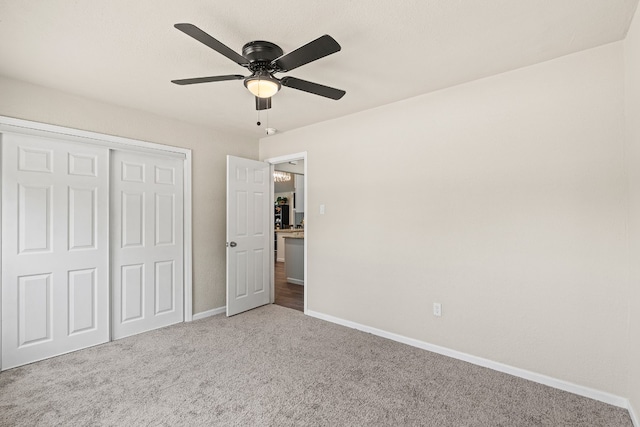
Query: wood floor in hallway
[{"x": 287, "y": 294}]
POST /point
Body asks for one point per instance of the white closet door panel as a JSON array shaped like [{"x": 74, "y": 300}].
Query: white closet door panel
[
  {"x": 132, "y": 292},
  {"x": 83, "y": 213},
  {"x": 147, "y": 252},
  {"x": 34, "y": 218},
  {"x": 83, "y": 301},
  {"x": 34, "y": 309},
  {"x": 55, "y": 248}
]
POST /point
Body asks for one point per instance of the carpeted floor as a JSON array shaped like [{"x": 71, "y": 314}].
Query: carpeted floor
[{"x": 274, "y": 366}]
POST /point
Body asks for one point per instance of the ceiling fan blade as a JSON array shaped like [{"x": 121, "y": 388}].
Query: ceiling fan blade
[
  {"x": 315, "y": 88},
  {"x": 207, "y": 79},
  {"x": 319, "y": 48},
  {"x": 202, "y": 37},
  {"x": 263, "y": 103}
]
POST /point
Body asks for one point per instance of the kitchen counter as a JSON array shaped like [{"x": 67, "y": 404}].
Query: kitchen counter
[
  {"x": 294, "y": 264},
  {"x": 280, "y": 245},
  {"x": 289, "y": 230}
]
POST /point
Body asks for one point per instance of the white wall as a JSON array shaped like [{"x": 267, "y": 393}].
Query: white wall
[
  {"x": 632, "y": 97},
  {"x": 210, "y": 147},
  {"x": 503, "y": 199}
]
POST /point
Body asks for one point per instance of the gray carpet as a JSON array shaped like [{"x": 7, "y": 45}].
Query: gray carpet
[{"x": 274, "y": 366}]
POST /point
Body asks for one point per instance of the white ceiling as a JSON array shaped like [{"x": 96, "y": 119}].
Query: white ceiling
[{"x": 126, "y": 52}]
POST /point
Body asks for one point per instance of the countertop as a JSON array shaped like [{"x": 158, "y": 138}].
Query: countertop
[{"x": 297, "y": 233}]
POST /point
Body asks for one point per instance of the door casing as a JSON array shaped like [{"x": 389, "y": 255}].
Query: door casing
[{"x": 285, "y": 159}]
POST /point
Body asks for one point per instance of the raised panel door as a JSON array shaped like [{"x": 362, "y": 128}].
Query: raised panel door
[
  {"x": 147, "y": 252},
  {"x": 55, "y": 248},
  {"x": 248, "y": 234}
]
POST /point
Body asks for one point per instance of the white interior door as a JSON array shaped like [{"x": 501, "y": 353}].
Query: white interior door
[
  {"x": 147, "y": 244},
  {"x": 248, "y": 234},
  {"x": 55, "y": 248}
]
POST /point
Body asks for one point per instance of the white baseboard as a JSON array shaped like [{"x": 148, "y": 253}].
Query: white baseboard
[
  {"x": 634, "y": 418},
  {"x": 280, "y": 259},
  {"x": 295, "y": 281},
  {"x": 496, "y": 366},
  {"x": 209, "y": 313}
]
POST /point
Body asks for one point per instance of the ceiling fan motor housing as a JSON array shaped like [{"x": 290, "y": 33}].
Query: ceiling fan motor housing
[{"x": 261, "y": 53}]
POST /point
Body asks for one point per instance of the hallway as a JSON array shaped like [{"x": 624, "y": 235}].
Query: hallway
[{"x": 287, "y": 294}]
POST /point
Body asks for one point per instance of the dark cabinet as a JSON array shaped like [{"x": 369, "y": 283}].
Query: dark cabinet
[
  {"x": 281, "y": 219},
  {"x": 281, "y": 216}
]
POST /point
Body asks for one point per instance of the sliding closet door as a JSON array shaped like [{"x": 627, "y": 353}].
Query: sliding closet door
[
  {"x": 55, "y": 248},
  {"x": 147, "y": 245}
]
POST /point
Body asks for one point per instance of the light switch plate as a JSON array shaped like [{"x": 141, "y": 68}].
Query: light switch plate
[{"x": 437, "y": 309}]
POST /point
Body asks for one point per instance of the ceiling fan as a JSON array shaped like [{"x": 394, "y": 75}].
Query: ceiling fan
[{"x": 264, "y": 59}]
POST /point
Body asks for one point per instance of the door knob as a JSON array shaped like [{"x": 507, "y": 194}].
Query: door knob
[{"x": 233, "y": 244}]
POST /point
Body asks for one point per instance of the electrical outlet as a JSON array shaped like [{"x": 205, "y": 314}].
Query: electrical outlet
[{"x": 437, "y": 309}]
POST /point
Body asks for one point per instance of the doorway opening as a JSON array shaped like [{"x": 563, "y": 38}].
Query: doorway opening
[{"x": 289, "y": 283}]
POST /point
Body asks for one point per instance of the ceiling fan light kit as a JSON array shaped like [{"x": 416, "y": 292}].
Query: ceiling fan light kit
[
  {"x": 262, "y": 85},
  {"x": 264, "y": 59}
]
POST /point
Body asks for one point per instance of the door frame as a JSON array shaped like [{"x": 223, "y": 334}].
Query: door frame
[
  {"x": 274, "y": 161},
  {"x": 66, "y": 134}
]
